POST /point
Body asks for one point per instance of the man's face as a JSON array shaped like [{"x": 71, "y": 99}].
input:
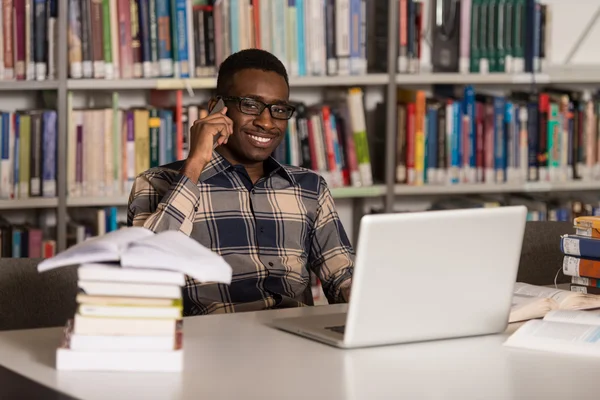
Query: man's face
[{"x": 255, "y": 137}]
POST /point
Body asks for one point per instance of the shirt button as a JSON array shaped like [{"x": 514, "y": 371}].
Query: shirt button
[
  {"x": 262, "y": 230},
  {"x": 270, "y": 264}
]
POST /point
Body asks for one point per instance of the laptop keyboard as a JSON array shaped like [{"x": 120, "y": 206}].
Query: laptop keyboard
[{"x": 338, "y": 329}]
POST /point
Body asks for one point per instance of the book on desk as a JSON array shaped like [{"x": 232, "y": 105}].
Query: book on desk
[{"x": 129, "y": 309}]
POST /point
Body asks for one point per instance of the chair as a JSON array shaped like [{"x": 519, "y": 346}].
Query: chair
[
  {"x": 29, "y": 299},
  {"x": 541, "y": 256}
]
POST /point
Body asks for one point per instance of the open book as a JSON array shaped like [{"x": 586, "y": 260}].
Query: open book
[
  {"x": 561, "y": 331},
  {"x": 531, "y": 301},
  {"x": 135, "y": 247}
]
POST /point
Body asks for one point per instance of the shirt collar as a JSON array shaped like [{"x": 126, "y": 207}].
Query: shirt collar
[{"x": 219, "y": 164}]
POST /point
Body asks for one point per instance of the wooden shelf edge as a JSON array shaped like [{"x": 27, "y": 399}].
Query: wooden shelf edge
[{"x": 29, "y": 203}]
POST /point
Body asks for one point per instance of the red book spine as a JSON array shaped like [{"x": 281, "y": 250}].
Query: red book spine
[
  {"x": 125, "y": 52},
  {"x": 19, "y": 35}
]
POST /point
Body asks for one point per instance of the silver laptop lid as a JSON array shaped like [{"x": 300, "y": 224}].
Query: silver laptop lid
[{"x": 432, "y": 275}]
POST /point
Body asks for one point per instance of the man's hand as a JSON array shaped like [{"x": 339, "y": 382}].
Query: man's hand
[
  {"x": 346, "y": 293},
  {"x": 202, "y": 135}
]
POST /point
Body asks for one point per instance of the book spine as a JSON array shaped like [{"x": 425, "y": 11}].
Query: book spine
[
  {"x": 136, "y": 46},
  {"x": 154, "y": 51},
  {"x": 145, "y": 38},
  {"x": 107, "y": 40},
  {"x": 165, "y": 52},
  {"x": 97, "y": 39},
  {"x": 8, "y": 39},
  {"x": 115, "y": 38},
  {"x": 20, "y": 39},
  {"x": 75, "y": 40},
  {"x": 41, "y": 40},
  {"x": 125, "y": 51}
]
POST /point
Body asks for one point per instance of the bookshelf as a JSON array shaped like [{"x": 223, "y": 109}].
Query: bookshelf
[{"x": 387, "y": 81}]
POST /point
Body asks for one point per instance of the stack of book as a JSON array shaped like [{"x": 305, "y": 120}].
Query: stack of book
[
  {"x": 582, "y": 255},
  {"x": 129, "y": 309},
  {"x": 126, "y": 319}
]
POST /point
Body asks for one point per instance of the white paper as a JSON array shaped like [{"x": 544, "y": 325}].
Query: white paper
[{"x": 105, "y": 248}]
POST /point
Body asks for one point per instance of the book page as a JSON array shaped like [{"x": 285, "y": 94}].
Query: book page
[
  {"x": 557, "y": 295},
  {"x": 557, "y": 337},
  {"x": 105, "y": 248},
  {"x": 173, "y": 250},
  {"x": 574, "y": 317}
]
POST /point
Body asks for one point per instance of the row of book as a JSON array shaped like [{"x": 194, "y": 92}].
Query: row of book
[
  {"x": 330, "y": 138},
  {"x": 550, "y": 136},
  {"x": 186, "y": 38},
  {"x": 488, "y": 36},
  {"x": 582, "y": 255},
  {"x": 28, "y": 39},
  {"x": 28, "y": 166},
  {"x": 24, "y": 241}
]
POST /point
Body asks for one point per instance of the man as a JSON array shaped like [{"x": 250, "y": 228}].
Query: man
[{"x": 270, "y": 222}]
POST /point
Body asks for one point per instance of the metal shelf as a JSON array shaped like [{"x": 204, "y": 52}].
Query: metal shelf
[
  {"x": 28, "y": 85},
  {"x": 458, "y": 79},
  {"x": 34, "y": 202},
  {"x": 481, "y": 188},
  {"x": 97, "y": 201},
  {"x": 211, "y": 83},
  {"x": 338, "y": 193}
]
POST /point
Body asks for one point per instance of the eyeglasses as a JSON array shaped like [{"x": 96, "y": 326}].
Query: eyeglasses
[{"x": 250, "y": 106}]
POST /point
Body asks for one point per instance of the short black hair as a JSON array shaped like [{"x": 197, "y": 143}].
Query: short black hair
[{"x": 248, "y": 59}]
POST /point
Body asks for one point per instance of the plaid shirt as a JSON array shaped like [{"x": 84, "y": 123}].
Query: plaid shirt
[{"x": 270, "y": 232}]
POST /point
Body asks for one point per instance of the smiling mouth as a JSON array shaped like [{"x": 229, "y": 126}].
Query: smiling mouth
[{"x": 260, "y": 141}]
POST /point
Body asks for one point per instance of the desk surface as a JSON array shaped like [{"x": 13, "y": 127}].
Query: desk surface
[{"x": 238, "y": 357}]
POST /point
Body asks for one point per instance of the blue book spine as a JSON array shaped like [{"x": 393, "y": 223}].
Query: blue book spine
[
  {"x": 509, "y": 142},
  {"x": 144, "y": 21},
  {"x": 16, "y": 251},
  {"x": 182, "y": 47},
  {"x": 17, "y": 156},
  {"x": 163, "y": 20},
  {"x": 49, "y": 139},
  {"x": 499, "y": 138},
  {"x": 471, "y": 114},
  {"x": 5, "y": 167},
  {"x": 530, "y": 30},
  {"x": 432, "y": 144},
  {"x": 455, "y": 142},
  {"x": 301, "y": 41},
  {"x": 336, "y": 145},
  {"x": 355, "y": 28},
  {"x": 537, "y": 36},
  {"x": 171, "y": 137},
  {"x": 580, "y": 246}
]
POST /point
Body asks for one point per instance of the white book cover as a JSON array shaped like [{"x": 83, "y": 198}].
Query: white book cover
[
  {"x": 84, "y": 325},
  {"x": 128, "y": 344},
  {"x": 342, "y": 35},
  {"x": 112, "y": 272},
  {"x": 90, "y": 310},
  {"x": 136, "y": 247},
  {"x": 114, "y": 36}
]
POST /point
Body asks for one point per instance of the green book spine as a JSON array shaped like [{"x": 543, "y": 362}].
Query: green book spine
[
  {"x": 484, "y": 66},
  {"x": 519, "y": 36},
  {"x": 553, "y": 140},
  {"x": 24, "y": 154},
  {"x": 475, "y": 48},
  {"x": 106, "y": 38},
  {"x": 174, "y": 46},
  {"x": 500, "y": 9},
  {"x": 509, "y": 17},
  {"x": 492, "y": 29},
  {"x": 154, "y": 125}
]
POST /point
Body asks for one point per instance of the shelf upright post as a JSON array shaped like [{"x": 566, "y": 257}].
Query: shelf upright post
[
  {"x": 391, "y": 109},
  {"x": 61, "y": 164}
]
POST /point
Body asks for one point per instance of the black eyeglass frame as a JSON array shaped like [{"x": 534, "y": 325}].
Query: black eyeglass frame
[{"x": 239, "y": 99}]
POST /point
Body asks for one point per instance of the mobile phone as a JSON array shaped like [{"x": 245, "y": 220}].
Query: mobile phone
[{"x": 216, "y": 109}]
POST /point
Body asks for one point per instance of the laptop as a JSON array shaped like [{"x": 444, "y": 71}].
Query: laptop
[{"x": 425, "y": 276}]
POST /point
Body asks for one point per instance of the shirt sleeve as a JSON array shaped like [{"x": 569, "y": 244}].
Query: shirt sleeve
[
  {"x": 331, "y": 255},
  {"x": 162, "y": 201}
]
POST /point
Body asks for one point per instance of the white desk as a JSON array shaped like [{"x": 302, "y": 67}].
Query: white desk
[{"x": 238, "y": 357}]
